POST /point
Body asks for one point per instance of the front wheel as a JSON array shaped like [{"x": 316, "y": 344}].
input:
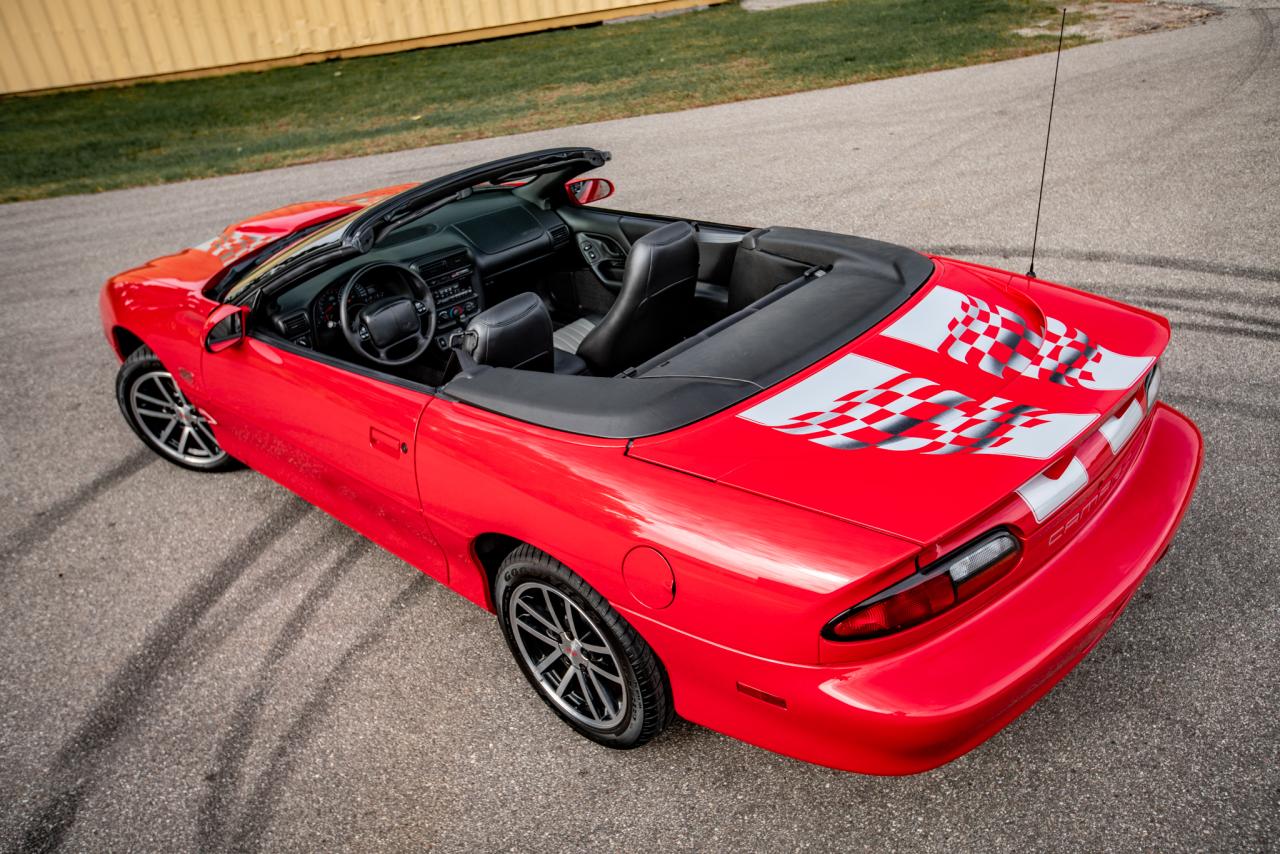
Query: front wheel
[
  {"x": 163, "y": 418},
  {"x": 585, "y": 661}
]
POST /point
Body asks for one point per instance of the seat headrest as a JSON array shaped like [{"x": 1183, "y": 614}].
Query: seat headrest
[
  {"x": 664, "y": 257},
  {"x": 515, "y": 333}
]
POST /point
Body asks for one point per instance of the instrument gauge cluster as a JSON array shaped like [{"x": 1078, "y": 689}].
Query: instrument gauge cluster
[{"x": 326, "y": 313}]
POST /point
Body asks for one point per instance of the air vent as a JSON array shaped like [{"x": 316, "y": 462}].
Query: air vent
[
  {"x": 559, "y": 235},
  {"x": 293, "y": 325},
  {"x": 429, "y": 266}
]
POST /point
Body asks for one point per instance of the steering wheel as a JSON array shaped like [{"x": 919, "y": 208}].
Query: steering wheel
[{"x": 408, "y": 317}]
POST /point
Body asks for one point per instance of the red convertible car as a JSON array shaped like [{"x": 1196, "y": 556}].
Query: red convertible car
[{"x": 846, "y": 501}]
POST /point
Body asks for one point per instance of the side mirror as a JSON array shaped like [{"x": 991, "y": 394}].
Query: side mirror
[
  {"x": 224, "y": 328},
  {"x": 584, "y": 191}
]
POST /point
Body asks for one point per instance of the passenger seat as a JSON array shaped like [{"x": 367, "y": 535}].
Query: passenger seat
[
  {"x": 652, "y": 310},
  {"x": 569, "y": 337},
  {"x": 516, "y": 333}
]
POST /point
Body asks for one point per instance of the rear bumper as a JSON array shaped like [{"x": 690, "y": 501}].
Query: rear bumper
[{"x": 918, "y": 708}]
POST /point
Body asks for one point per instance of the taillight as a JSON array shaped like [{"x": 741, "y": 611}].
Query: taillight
[
  {"x": 929, "y": 592},
  {"x": 1151, "y": 386}
]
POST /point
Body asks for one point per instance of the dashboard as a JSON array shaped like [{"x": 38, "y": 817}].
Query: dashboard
[
  {"x": 451, "y": 279},
  {"x": 465, "y": 253}
]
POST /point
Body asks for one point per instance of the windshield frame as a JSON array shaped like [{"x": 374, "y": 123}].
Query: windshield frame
[
  {"x": 359, "y": 229},
  {"x": 279, "y": 263}
]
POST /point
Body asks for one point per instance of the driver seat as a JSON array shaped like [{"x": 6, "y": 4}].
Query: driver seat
[{"x": 516, "y": 333}]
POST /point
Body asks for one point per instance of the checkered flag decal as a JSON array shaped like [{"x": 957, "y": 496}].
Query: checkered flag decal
[
  {"x": 991, "y": 338},
  {"x": 914, "y": 414},
  {"x": 236, "y": 244},
  {"x": 997, "y": 340},
  {"x": 1065, "y": 357}
]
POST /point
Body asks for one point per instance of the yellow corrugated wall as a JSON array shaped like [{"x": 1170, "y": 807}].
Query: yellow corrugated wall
[{"x": 48, "y": 44}]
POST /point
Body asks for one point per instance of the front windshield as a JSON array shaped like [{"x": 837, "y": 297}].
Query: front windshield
[
  {"x": 385, "y": 215},
  {"x": 327, "y": 236}
]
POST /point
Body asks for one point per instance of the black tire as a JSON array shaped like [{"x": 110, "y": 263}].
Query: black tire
[
  {"x": 143, "y": 374},
  {"x": 642, "y": 710}
]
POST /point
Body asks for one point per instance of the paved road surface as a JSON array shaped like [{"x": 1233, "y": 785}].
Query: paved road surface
[{"x": 194, "y": 662}]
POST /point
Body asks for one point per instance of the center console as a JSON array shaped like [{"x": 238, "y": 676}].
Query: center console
[{"x": 455, "y": 288}]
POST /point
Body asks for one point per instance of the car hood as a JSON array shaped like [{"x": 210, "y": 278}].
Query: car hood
[
  {"x": 241, "y": 238},
  {"x": 980, "y": 382},
  {"x": 196, "y": 267}
]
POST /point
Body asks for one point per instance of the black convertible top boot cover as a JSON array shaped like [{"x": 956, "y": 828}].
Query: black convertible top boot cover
[{"x": 852, "y": 284}]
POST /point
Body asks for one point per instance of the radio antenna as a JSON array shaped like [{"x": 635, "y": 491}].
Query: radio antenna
[{"x": 1062, "y": 30}]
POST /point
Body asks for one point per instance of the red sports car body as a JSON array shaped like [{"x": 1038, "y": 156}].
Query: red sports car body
[{"x": 863, "y": 514}]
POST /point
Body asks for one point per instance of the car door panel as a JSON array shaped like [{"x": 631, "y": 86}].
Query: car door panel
[
  {"x": 340, "y": 439},
  {"x": 716, "y": 243}
]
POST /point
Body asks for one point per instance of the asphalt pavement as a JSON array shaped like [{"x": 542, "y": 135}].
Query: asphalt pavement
[{"x": 193, "y": 662}]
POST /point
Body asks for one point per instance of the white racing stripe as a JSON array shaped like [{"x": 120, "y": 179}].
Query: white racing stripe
[
  {"x": 1044, "y": 440},
  {"x": 857, "y": 403},
  {"x": 998, "y": 340},
  {"x": 1118, "y": 428},
  {"x": 926, "y": 324},
  {"x": 1044, "y": 494},
  {"x": 820, "y": 392}
]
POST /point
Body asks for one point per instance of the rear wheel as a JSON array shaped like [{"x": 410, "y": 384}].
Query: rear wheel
[
  {"x": 585, "y": 661},
  {"x": 163, "y": 418}
]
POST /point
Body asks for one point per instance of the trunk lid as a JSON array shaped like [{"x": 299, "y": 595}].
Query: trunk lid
[{"x": 980, "y": 382}]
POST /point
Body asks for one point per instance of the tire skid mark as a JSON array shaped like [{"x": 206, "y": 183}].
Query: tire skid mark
[
  {"x": 1232, "y": 87},
  {"x": 1214, "y": 405},
  {"x": 1266, "y": 42},
  {"x": 1196, "y": 114},
  {"x": 1192, "y": 297},
  {"x": 1228, "y": 331},
  {"x": 50, "y": 520},
  {"x": 1230, "y": 317},
  {"x": 79, "y": 759},
  {"x": 937, "y": 154},
  {"x": 213, "y": 814},
  {"x": 265, "y": 795},
  {"x": 256, "y": 593},
  {"x": 1163, "y": 262}
]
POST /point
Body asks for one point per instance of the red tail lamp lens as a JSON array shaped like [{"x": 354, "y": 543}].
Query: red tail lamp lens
[
  {"x": 900, "y": 611},
  {"x": 933, "y": 590}
]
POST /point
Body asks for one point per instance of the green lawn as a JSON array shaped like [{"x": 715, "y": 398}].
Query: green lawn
[{"x": 76, "y": 142}]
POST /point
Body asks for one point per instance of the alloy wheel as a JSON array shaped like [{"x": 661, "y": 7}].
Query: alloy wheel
[
  {"x": 173, "y": 424},
  {"x": 568, "y": 656}
]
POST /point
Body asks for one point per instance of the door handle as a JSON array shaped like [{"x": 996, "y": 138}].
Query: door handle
[{"x": 382, "y": 441}]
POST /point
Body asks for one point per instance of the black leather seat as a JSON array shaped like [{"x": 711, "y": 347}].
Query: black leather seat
[
  {"x": 652, "y": 310},
  {"x": 516, "y": 333}
]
